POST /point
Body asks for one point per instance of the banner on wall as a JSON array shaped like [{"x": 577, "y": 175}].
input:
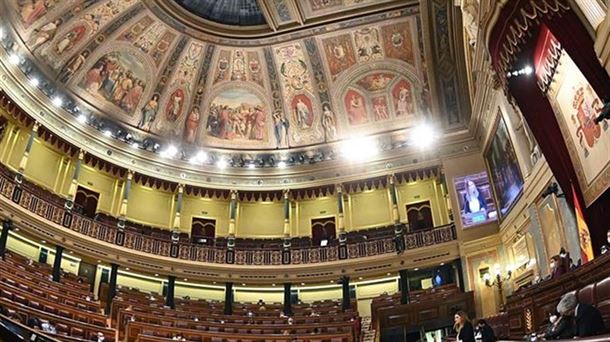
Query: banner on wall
[
  {"x": 476, "y": 201},
  {"x": 576, "y": 105},
  {"x": 584, "y": 238}
]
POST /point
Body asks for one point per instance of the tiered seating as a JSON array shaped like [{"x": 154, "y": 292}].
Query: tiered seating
[
  {"x": 27, "y": 290},
  {"x": 386, "y": 300},
  {"x": 136, "y": 313}
]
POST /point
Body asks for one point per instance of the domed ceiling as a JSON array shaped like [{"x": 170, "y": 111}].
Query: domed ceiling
[
  {"x": 235, "y": 12},
  {"x": 136, "y": 66}
]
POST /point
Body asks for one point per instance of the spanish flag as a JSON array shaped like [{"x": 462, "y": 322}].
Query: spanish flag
[{"x": 586, "y": 250}]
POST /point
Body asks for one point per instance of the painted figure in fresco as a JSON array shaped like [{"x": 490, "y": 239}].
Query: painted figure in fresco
[
  {"x": 380, "y": 108},
  {"x": 191, "y": 124},
  {"x": 303, "y": 114},
  {"x": 73, "y": 66},
  {"x": 328, "y": 123},
  {"x": 356, "y": 110},
  {"x": 223, "y": 66},
  {"x": 93, "y": 79},
  {"x": 280, "y": 129},
  {"x": 44, "y": 34},
  {"x": 131, "y": 99},
  {"x": 259, "y": 123},
  {"x": 32, "y": 10},
  {"x": 70, "y": 39},
  {"x": 174, "y": 106},
  {"x": 149, "y": 113},
  {"x": 404, "y": 105},
  {"x": 239, "y": 66}
]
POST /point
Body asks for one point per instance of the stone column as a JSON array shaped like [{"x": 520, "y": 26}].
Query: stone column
[
  {"x": 169, "y": 296},
  {"x": 228, "y": 299},
  {"x": 399, "y": 241},
  {"x": 287, "y": 299},
  {"x": 124, "y": 200},
  {"x": 59, "y": 252},
  {"x": 345, "y": 299},
  {"x": 340, "y": 216},
  {"x": 287, "y": 238},
  {"x": 114, "y": 269},
  {"x": 7, "y": 226},
  {"x": 23, "y": 163},
  {"x": 74, "y": 183},
  {"x": 404, "y": 286},
  {"x": 232, "y": 217}
]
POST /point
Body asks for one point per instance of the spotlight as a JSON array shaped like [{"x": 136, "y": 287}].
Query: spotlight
[
  {"x": 135, "y": 145},
  {"x": 108, "y": 133},
  {"x": 251, "y": 165},
  {"x": 423, "y": 136},
  {"x": 528, "y": 70},
  {"x": 14, "y": 59},
  {"x": 359, "y": 149},
  {"x": 199, "y": 158},
  {"x": 169, "y": 152},
  {"x": 222, "y": 164},
  {"x": 82, "y": 118},
  {"x": 57, "y": 101},
  {"x": 34, "y": 81},
  {"x": 281, "y": 164}
]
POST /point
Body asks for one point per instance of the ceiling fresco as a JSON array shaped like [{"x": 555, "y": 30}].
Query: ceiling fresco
[{"x": 135, "y": 70}]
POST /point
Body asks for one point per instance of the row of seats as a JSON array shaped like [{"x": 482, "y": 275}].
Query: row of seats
[{"x": 28, "y": 293}]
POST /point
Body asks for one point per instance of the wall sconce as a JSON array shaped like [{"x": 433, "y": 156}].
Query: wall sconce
[{"x": 498, "y": 279}]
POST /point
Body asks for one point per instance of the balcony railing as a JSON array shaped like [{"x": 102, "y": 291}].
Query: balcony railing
[{"x": 49, "y": 206}]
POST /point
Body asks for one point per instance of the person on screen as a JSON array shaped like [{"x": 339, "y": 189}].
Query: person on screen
[{"x": 473, "y": 199}]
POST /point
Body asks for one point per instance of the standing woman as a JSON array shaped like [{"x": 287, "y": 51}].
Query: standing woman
[{"x": 463, "y": 327}]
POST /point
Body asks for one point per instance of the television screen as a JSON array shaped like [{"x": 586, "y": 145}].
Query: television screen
[
  {"x": 504, "y": 169},
  {"x": 476, "y": 200}
]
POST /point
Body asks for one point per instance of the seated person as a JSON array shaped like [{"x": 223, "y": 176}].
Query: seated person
[
  {"x": 559, "y": 327},
  {"x": 483, "y": 332},
  {"x": 99, "y": 337},
  {"x": 587, "y": 319}
]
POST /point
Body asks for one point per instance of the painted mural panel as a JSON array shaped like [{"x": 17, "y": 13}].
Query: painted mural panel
[
  {"x": 75, "y": 33},
  {"x": 238, "y": 65},
  {"x": 340, "y": 54},
  {"x": 29, "y": 11},
  {"x": 237, "y": 114},
  {"x": 380, "y": 108},
  {"x": 398, "y": 42},
  {"x": 355, "y": 105},
  {"x": 403, "y": 98},
  {"x": 368, "y": 44},
  {"x": 576, "y": 105},
  {"x": 504, "y": 169},
  {"x": 376, "y": 81},
  {"x": 118, "y": 78}
]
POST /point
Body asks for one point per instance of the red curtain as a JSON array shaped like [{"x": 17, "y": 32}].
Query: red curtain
[{"x": 537, "y": 110}]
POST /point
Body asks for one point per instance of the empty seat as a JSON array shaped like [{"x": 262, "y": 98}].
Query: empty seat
[{"x": 77, "y": 332}]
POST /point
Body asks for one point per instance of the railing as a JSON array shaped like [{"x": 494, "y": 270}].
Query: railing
[{"x": 39, "y": 202}]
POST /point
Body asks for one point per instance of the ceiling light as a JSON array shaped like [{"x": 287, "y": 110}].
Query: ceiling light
[
  {"x": 156, "y": 274},
  {"x": 126, "y": 268},
  {"x": 43, "y": 241},
  {"x": 423, "y": 136},
  {"x": 359, "y": 149},
  {"x": 82, "y": 118},
  {"x": 416, "y": 269},
  {"x": 272, "y": 284},
  {"x": 528, "y": 70},
  {"x": 199, "y": 158},
  {"x": 242, "y": 284},
  {"x": 221, "y": 164},
  {"x": 302, "y": 284},
  {"x": 14, "y": 59},
  {"x": 359, "y": 278},
  {"x": 169, "y": 152},
  {"x": 251, "y": 165},
  {"x": 442, "y": 264},
  {"x": 186, "y": 279},
  {"x": 135, "y": 145},
  {"x": 57, "y": 101},
  {"x": 34, "y": 81},
  {"x": 281, "y": 164},
  {"x": 99, "y": 261},
  {"x": 108, "y": 133}
]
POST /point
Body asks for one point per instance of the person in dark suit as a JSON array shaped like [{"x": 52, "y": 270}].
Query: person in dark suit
[
  {"x": 463, "y": 327},
  {"x": 484, "y": 332},
  {"x": 587, "y": 319},
  {"x": 559, "y": 327}
]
